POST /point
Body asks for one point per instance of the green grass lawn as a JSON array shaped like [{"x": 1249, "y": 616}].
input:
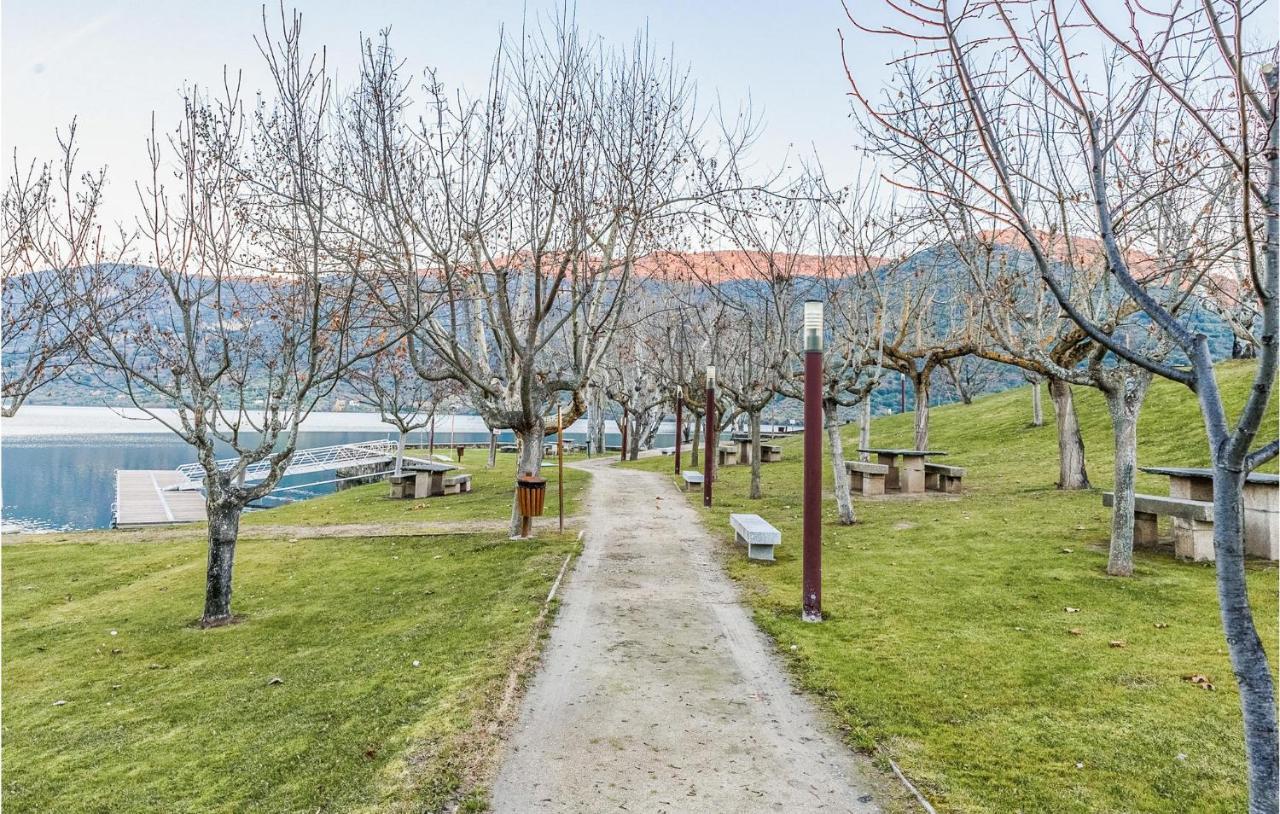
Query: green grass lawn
[
  {"x": 489, "y": 499},
  {"x": 947, "y": 646},
  {"x": 162, "y": 716}
]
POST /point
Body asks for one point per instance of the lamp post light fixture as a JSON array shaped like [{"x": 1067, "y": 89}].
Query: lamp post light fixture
[
  {"x": 812, "y": 568},
  {"x": 679, "y": 424},
  {"x": 708, "y": 462}
]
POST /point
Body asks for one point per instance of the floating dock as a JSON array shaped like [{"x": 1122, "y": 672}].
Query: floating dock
[{"x": 148, "y": 497}]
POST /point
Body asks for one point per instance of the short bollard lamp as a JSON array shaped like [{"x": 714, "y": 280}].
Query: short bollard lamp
[
  {"x": 708, "y": 462},
  {"x": 531, "y": 492},
  {"x": 812, "y": 569}
]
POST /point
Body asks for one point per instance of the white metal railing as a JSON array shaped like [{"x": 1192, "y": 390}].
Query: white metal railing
[{"x": 315, "y": 459}]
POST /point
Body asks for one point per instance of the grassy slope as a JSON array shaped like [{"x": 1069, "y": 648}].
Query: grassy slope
[
  {"x": 184, "y": 720},
  {"x": 490, "y": 499},
  {"x": 947, "y": 645}
]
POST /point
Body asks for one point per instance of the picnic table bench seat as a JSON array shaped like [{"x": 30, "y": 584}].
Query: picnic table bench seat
[
  {"x": 770, "y": 453},
  {"x": 692, "y": 478},
  {"x": 728, "y": 456},
  {"x": 757, "y": 534},
  {"x": 943, "y": 478},
  {"x": 457, "y": 484},
  {"x": 1192, "y": 537},
  {"x": 866, "y": 478}
]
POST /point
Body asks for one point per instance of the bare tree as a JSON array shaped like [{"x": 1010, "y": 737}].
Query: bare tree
[
  {"x": 50, "y": 226},
  {"x": 388, "y": 383},
  {"x": 1183, "y": 104},
  {"x": 528, "y": 207},
  {"x": 245, "y": 322}
]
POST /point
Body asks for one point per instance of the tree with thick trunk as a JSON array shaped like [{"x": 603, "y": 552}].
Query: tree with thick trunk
[
  {"x": 530, "y": 207},
  {"x": 1071, "y": 468}
]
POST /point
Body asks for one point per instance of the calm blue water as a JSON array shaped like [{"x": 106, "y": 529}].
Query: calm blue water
[{"x": 57, "y": 470}]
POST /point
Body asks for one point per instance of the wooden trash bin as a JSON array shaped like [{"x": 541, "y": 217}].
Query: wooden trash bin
[{"x": 531, "y": 492}]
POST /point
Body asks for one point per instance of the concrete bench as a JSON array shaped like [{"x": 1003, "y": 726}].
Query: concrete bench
[
  {"x": 692, "y": 478},
  {"x": 770, "y": 453},
  {"x": 457, "y": 484},
  {"x": 866, "y": 478},
  {"x": 756, "y": 533},
  {"x": 728, "y": 456},
  {"x": 943, "y": 478},
  {"x": 1192, "y": 537}
]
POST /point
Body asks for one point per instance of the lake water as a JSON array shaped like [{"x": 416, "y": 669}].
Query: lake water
[{"x": 58, "y": 464}]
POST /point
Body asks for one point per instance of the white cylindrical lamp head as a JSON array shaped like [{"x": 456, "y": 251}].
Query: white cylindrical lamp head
[{"x": 813, "y": 325}]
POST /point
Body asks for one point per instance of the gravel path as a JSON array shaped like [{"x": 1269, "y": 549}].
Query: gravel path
[{"x": 656, "y": 691}]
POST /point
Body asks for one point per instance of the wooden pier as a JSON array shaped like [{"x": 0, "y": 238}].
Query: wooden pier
[{"x": 144, "y": 498}]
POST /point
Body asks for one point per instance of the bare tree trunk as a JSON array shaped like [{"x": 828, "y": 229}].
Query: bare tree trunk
[
  {"x": 595, "y": 422},
  {"x": 920, "y": 384},
  {"x": 1244, "y": 646},
  {"x": 1071, "y": 465},
  {"x": 493, "y": 449},
  {"x": 400, "y": 443},
  {"x": 753, "y": 420},
  {"x": 224, "y": 529},
  {"x": 1124, "y": 403},
  {"x": 1037, "y": 408},
  {"x": 839, "y": 477},
  {"x": 864, "y": 431},
  {"x": 696, "y": 448},
  {"x": 962, "y": 389},
  {"x": 634, "y": 452},
  {"x": 530, "y": 463}
]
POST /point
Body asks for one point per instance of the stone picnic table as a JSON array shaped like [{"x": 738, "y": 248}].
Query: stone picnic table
[
  {"x": 768, "y": 452},
  {"x": 1261, "y": 496},
  {"x": 909, "y": 478},
  {"x": 418, "y": 479}
]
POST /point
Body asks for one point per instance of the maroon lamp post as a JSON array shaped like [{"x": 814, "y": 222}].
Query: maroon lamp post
[
  {"x": 625, "y": 421},
  {"x": 709, "y": 458},
  {"x": 812, "y": 590},
  {"x": 679, "y": 424}
]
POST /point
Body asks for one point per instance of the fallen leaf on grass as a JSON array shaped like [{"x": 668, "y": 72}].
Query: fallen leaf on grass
[
  {"x": 274, "y": 680},
  {"x": 1066, "y": 551},
  {"x": 1071, "y": 610},
  {"x": 1201, "y": 681},
  {"x": 1117, "y": 643},
  {"x": 1075, "y": 631},
  {"x": 1161, "y": 625},
  {"x": 59, "y": 703}
]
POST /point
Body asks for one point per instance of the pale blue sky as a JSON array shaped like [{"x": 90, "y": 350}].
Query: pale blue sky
[{"x": 112, "y": 62}]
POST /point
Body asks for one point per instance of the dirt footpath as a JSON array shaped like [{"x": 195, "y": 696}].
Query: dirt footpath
[{"x": 656, "y": 692}]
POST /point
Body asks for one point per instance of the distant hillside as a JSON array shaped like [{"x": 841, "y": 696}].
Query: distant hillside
[{"x": 735, "y": 273}]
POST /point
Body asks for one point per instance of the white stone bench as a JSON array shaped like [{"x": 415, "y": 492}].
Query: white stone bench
[
  {"x": 756, "y": 533},
  {"x": 457, "y": 484},
  {"x": 943, "y": 478},
  {"x": 692, "y": 478},
  {"x": 1192, "y": 538},
  {"x": 728, "y": 456},
  {"x": 866, "y": 478},
  {"x": 770, "y": 453}
]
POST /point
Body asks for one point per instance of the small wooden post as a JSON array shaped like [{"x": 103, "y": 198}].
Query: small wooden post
[{"x": 560, "y": 462}]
